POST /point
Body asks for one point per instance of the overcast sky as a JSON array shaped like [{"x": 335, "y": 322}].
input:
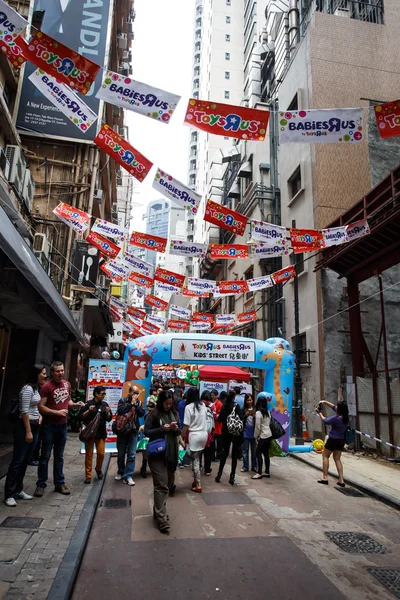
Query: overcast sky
[{"x": 163, "y": 57}]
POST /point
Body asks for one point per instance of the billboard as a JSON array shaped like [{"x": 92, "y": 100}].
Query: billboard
[
  {"x": 82, "y": 26},
  {"x": 85, "y": 265}
]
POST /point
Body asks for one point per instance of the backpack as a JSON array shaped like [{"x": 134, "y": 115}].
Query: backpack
[
  {"x": 209, "y": 420},
  {"x": 234, "y": 423},
  {"x": 124, "y": 423}
]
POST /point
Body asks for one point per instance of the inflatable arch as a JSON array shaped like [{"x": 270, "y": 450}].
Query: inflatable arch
[{"x": 273, "y": 356}]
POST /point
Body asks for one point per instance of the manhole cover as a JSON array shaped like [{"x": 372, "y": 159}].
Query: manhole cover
[
  {"x": 390, "y": 578},
  {"x": 355, "y": 543},
  {"x": 223, "y": 498},
  {"x": 347, "y": 491},
  {"x": 21, "y": 522},
  {"x": 115, "y": 503}
]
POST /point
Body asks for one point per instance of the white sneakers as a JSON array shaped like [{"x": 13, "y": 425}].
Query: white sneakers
[
  {"x": 23, "y": 496},
  {"x": 118, "y": 477},
  {"x": 129, "y": 481},
  {"x": 10, "y": 502}
]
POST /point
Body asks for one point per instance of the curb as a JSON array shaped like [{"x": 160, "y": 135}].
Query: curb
[
  {"x": 68, "y": 570},
  {"x": 391, "y": 501}
]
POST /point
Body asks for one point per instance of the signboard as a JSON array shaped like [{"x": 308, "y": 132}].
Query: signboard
[
  {"x": 198, "y": 350},
  {"x": 342, "y": 125},
  {"x": 213, "y": 385},
  {"x": 116, "y": 337},
  {"x": 175, "y": 190},
  {"x": 85, "y": 266},
  {"x": 245, "y": 388}
]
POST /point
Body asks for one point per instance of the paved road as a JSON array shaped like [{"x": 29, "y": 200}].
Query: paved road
[{"x": 258, "y": 539}]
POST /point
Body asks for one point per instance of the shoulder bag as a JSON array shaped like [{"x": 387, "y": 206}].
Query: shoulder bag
[{"x": 90, "y": 432}]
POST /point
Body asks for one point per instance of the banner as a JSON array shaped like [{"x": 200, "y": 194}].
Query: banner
[
  {"x": 322, "y": 126},
  {"x": 225, "y": 320},
  {"x": 118, "y": 267},
  {"x": 180, "y": 248},
  {"x": 272, "y": 235},
  {"x": 150, "y": 328},
  {"x": 123, "y": 153},
  {"x": 186, "y": 349},
  {"x": 11, "y": 22},
  {"x": 225, "y": 218},
  {"x": 128, "y": 326},
  {"x": 120, "y": 304},
  {"x": 140, "y": 279},
  {"x": 175, "y": 190},
  {"x": 164, "y": 287},
  {"x": 357, "y": 230},
  {"x": 105, "y": 246},
  {"x": 159, "y": 321},
  {"x": 200, "y": 285},
  {"x": 110, "y": 230},
  {"x": 194, "y": 293},
  {"x": 13, "y": 47},
  {"x": 247, "y": 317},
  {"x": 178, "y": 325},
  {"x": 149, "y": 242},
  {"x": 115, "y": 315},
  {"x": 66, "y": 65},
  {"x": 233, "y": 287},
  {"x": 284, "y": 274},
  {"x": 64, "y": 99},
  {"x": 259, "y": 283},
  {"x": 305, "y": 240},
  {"x": 138, "y": 97},
  {"x": 169, "y": 277},
  {"x": 73, "y": 217},
  {"x": 200, "y": 326},
  {"x": 111, "y": 274},
  {"x": 334, "y": 236},
  {"x": 135, "y": 320},
  {"x": 204, "y": 317},
  {"x": 388, "y": 119},
  {"x": 183, "y": 313},
  {"x": 136, "y": 312},
  {"x": 229, "y": 251},
  {"x": 237, "y": 122},
  {"x": 138, "y": 265},
  {"x": 267, "y": 251},
  {"x": 156, "y": 302}
]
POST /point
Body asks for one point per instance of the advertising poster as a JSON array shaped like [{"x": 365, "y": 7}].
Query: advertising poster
[
  {"x": 175, "y": 190},
  {"x": 268, "y": 233},
  {"x": 181, "y": 248},
  {"x": 305, "y": 240},
  {"x": 229, "y": 251},
  {"x": 149, "y": 242},
  {"x": 188, "y": 349},
  {"x": 85, "y": 265},
  {"x": 245, "y": 388},
  {"x": 213, "y": 385},
  {"x": 343, "y": 125},
  {"x": 225, "y": 218}
]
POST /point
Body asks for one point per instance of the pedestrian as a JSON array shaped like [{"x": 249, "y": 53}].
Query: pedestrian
[
  {"x": 239, "y": 399},
  {"x": 163, "y": 422},
  {"x": 55, "y": 399},
  {"x": 126, "y": 427},
  {"x": 231, "y": 418},
  {"x": 336, "y": 440},
  {"x": 218, "y": 403},
  {"x": 178, "y": 392},
  {"x": 89, "y": 412},
  {"x": 249, "y": 442},
  {"x": 181, "y": 408},
  {"x": 26, "y": 431},
  {"x": 152, "y": 396},
  {"x": 195, "y": 422},
  {"x": 149, "y": 407},
  {"x": 209, "y": 450},
  {"x": 263, "y": 436}
]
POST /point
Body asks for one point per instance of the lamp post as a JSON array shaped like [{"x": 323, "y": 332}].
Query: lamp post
[{"x": 297, "y": 410}]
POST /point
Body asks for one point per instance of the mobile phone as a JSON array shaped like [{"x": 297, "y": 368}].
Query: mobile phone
[{"x": 320, "y": 406}]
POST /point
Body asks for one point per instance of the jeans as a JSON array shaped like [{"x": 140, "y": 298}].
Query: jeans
[
  {"x": 54, "y": 437},
  {"x": 263, "y": 451},
  {"x": 218, "y": 445},
  {"x": 100, "y": 452},
  {"x": 249, "y": 444},
  {"x": 126, "y": 445},
  {"x": 22, "y": 455}
]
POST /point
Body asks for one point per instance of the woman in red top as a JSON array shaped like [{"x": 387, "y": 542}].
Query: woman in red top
[{"x": 218, "y": 426}]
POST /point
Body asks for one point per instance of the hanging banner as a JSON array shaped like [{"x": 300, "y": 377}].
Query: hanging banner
[
  {"x": 156, "y": 302},
  {"x": 138, "y": 265},
  {"x": 217, "y": 294},
  {"x": 388, "y": 119},
  {"x": 175, "y": 190},
  {"x": 322, "y": 126},
  {"x": 159, "y": 321},
  {"x": 267, "y": 251},
  {"x": 259, "y": 283},
  {"x": 138, "y": 97},
  {"x": 334, "y": 236},
  {"x": 247, "y": 317},
  {"x": 150, "y": 242},
  {"x": 194, "y": 293},
  {"x": 183, "y": 313},
  {"x": 136, "y": 312},
  {"x": 150, "y": 328},
  {"x": 200, "y": 285},
  {"x": 233, "y": 287},
  {"x": 137, "y": 322},
  {"x": 272, "y": 235},
  {"x": 305, "y": 240},
  {"x": 73, "y": 217},
  {"x": 225, "y": 218},
  {"x": 169, "y": 277},
  {"x": 284, "y": 274},
  {"x": 13, "y": 47},
  {"x": 66, "y": 65},
  {"x": 105, "y": 246},
  {"x": 111, "y": 274},
  {"x": 128, "y": 326},
  {"x": 225, "y": 320},
  {"x": 110, "y": 230},
  {"x": 357, "y": 230},
  {"x": 200, "y": 326},
  {"x": 118, "y": 267},
  {"x": 180, "y": 248},
  {"x": 178, "y": 325},
  {"x": 164, "y": 287},
  {"x": 229, "y": 251},
  {"x": 120, "y": 304},
  {"x": 115, "y": 315},
  {"x": 11, "y": 22},
  {"x": 237, "y": 122},
  {"x": 123, "y": 153},
  {"x": 140, "y": 279},
  {"x": 64, "y": 99},
  {"x": 204, "y": 317}
]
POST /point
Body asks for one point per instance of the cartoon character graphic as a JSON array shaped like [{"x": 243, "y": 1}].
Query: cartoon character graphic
[{"x": 138, "y": 367}]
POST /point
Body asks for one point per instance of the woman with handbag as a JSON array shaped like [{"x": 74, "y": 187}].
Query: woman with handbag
[
  {"x": 231, "y": 417},
  {"x": 95, "y": 414},
  {"x": 263, "y": 436},
  {"x": 162, "y": 428}
]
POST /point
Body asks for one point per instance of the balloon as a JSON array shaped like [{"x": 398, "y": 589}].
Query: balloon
[
  {"x": 318, "y": 445},
  {"x": 115, "y": 355},
  {"x": 105, "y": 354},
  {"x": 187, "y": 379},
  {"x": 196, "y": 373},
  {"x": 194, "y": 381}
]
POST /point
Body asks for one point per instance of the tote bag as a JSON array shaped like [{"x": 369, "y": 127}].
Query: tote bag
[{"x": 90, "y": 432}]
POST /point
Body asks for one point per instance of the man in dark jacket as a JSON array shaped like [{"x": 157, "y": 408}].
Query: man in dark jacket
[{"x": 127, "y": 440}]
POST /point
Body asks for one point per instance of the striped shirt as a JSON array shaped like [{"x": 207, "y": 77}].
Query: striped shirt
[{"x": 28, "y": 402}]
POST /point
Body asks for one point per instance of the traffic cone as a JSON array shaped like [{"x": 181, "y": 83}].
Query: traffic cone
[{"x": 304, "y": 428}]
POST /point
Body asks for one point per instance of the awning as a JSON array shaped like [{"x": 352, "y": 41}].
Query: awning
[
  {"x": 245, "y": 170},
  {"x": 211, "y": 373},
  {"x": 18, "y": 251}
]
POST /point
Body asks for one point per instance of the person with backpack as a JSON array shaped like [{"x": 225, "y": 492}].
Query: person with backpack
[
  {"x": 25, "y": 416},
  {"x": 231, "y": 418},
  {"x": 263, "y": 435},
  {"x": 126, "y": 427},
  {"x": 336, "y": 440},
  {"x": 209, "y": 450},
  {"x": 89, "y": 412},
  {"x": 195, "y": 422}
]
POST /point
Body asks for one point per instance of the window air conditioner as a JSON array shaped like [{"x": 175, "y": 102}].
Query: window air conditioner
[
  {"x": 4, "y": 164},
  {"x": 98, "y": 196},
  {"x": 41, "y": 244},
  {"x": 28, "y": 190},
  {"x": 125, "y": 54},
  {"x": 131, "y": 36},
  {"x": 122, "y": 41},
  {"x": 16, "y": 172}
]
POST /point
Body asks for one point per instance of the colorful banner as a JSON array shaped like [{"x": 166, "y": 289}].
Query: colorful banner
[
  {"x": 334, "y": 236},
  {"x": 169, "y": 277},
  {"x": 135, "y": 320},
  {"x": 267, "y": 251},
  {"x": 200, "y": 285},
  {"x": 164, "y": 287},
  {"x": 237, "y": 122},
  {"x": 388, "y": 119},
  {"x": 150, "y": 328},
  {"x": 159, "y": 321},
  {"x": 73, "y": 217},
  {"x": 118, "y": 267},
  {"x": 11, "y": 22},
  {"x": 111, "y": 274},
  {"x": 178, "y": 325},
  {"x": 149, "y": 242},
  {"x": 120, "y": 304},
  {"x": 200, "y": 326},
  {"x": 183, "y": 313},
  {"x": 305, "y": 240},
  {"x": 259, "y": 283},
  {"x": 13, "y": 47},
  {"x": 272, "y": 235},
  {"x": 128, "y": 326},
  {"x": 247, "y": 317},
  {"x": 194, "y": 293},
  {"x": 138, "y": 265},
  {"x": 123, "y": 153},
  {"x": 136, "y": 312},
  {"x": 225, "y": 320},
  {"x": 357, "y": 230},
  {"x": 210, "y": 352},
  {"x": 229, "y": 251},
  {"x": 204, "y": 317},
  {"x": 73, "y": 69},
  {"x": 322, "y": 126},
  {"x": 140, "y": 279},
  {"x": 64, "y": 99},
  {"x": 181, "y": 248},
  {"x": 233, "y": 287},
  {"x": 138, "y": 97},
  {"x": 105, "y": 246},
  {"x": 115, "y": 315},
  {"x": 110, "y": 230},
  {"x": 284, "y": 274},
  {"x": 175, "y": 190},
  {"x": 225, "y": 218},
  {"x": 156, "y": 302}
]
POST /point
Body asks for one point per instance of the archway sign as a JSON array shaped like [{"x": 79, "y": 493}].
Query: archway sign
[{"x": 273, "y": 356}]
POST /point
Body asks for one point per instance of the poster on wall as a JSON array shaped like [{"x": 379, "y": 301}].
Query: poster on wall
[
  {"x": 213, "y": 385},
  {"x": 245, "y": 388}
]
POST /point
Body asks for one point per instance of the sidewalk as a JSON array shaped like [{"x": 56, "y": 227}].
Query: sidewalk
[
  {"x": 30, "y": 557},
  {"x": 376, "y": 477}
]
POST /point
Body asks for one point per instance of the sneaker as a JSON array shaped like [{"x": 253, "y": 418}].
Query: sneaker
[
  {"x": 10, "y": 502},
  {"x": 243, "y": 470},
  {"x": 128, "y": 481},
  {"x": 39, "y": 492},
  {"x": 88, "y": 480},
  {"x": 34, "y": 463},
  {"x": 118, "y": 477},
  {"x": 23, "y": 496},
  {"x": 62, "y": 489},
  {"x": 99, "y": 474}
]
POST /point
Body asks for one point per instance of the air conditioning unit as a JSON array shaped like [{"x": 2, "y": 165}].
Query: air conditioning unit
[
  {"x": 122, "y": 41},
  {"x": 28, "y": 190},
  {"x": 131, "y": 36},
  {"x": 98, "y": 196},
  {"x": 4, "y": 164},
  {"x": 16, "y": 172},
  {"x": 125, "y": 55},
  {"x": 41, "y": 244},
  {"x": 102, "y": 281}
]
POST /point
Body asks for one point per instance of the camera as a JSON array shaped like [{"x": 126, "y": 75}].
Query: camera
[{"x": 320, "y": 407}]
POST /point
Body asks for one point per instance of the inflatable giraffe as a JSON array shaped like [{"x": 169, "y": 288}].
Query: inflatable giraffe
[{"x": 277, "y": 355}]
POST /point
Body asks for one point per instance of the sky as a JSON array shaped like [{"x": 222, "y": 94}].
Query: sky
[{"x": 162, "y": 57}]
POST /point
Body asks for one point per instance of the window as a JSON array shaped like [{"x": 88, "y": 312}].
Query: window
[
  {"x": 294, "y": 105},
  {"x": 228, "y": 20},
  {"x": 304, "y": 355},
  {"x": 227, "y": 56},
  {"x": 298, "y": 260},
  {"x": 227, "y": 75},
  {"x": 249, "y": 274},
  {"x": 227, "y": 37},
  {"x": 226, "y": 95},
  {"x": 294, "y": 183},
  {"x": 231, "y": 304},
  {"x": 228, "y": 2}
]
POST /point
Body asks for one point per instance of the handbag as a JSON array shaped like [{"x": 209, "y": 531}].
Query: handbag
[
  {"x": 142, "y": 445},
  {"x": 156, "y": 448},
  {"x": 234, "y": 423},
  {"x": 90, "y": 432},
  {"x": 276, "y": 429}
]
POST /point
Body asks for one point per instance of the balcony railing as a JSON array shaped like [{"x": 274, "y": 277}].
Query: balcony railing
[{"x": 361, "y": 10}]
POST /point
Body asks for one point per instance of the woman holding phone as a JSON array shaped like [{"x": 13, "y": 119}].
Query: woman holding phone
[{"x": 336, "y": 440}]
